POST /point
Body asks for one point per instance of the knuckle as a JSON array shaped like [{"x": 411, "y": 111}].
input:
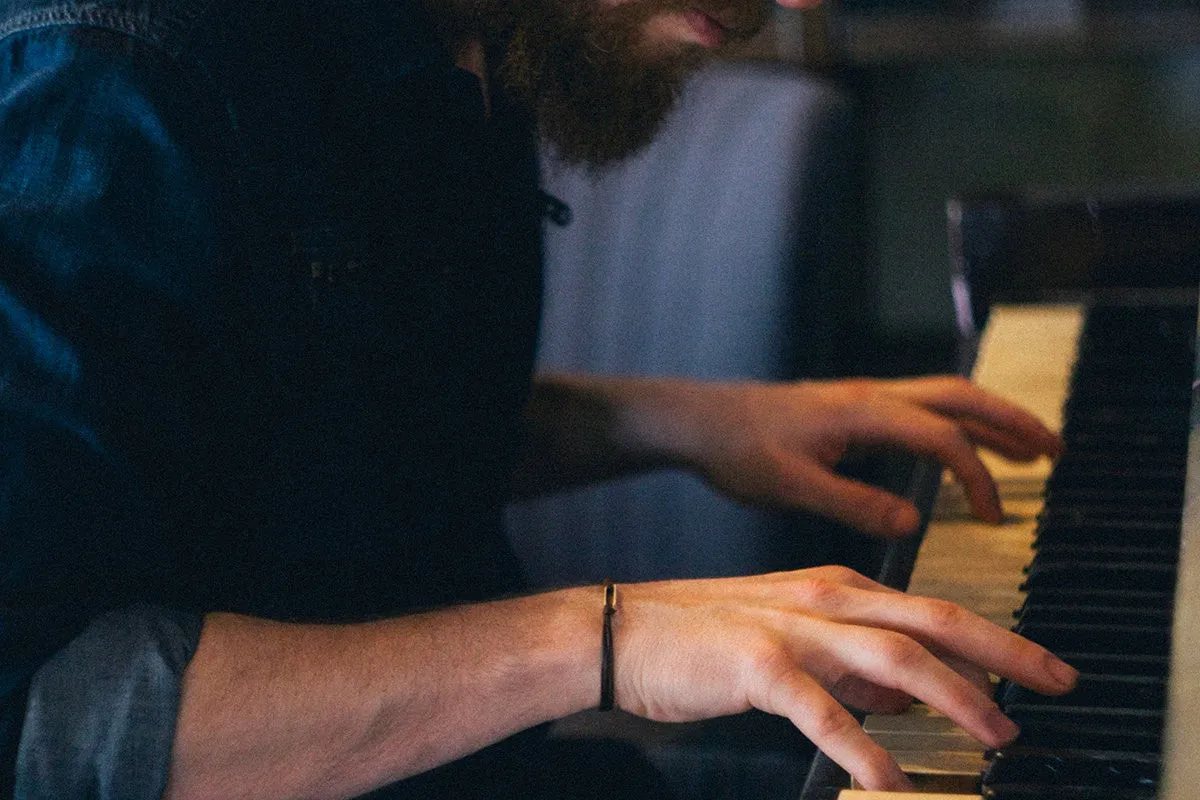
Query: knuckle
[
  {"x": 846, "y": 396},
  {"x": 838, "y": 573},
  {"x": 958, "y": 383},
  {"x": 947, "y": 387},
  {"x": 899, "y": 650},
  {"x": 949, "y": 433},
  {"x": 821, "y": 592},
  {"x": 769, "y": 660},
  {"x": 942, "y": 615},
  {"x": 830, "y": 721}
]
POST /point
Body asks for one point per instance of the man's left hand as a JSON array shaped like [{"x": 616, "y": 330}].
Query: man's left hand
[{"x": 777, "y": 444}]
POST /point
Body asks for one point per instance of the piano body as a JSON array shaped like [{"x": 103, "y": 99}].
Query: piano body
[{"x": 1085, "y": 311}]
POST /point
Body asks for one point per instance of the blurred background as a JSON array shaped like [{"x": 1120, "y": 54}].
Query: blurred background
[
  {"x": 972, "y": 95},
  {"x": 790, "y": 221}
]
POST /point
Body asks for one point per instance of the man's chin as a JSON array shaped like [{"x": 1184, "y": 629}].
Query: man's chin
[
  {"x": 600, "y": 152},
  {"x": 597, "y": 85},
  {"x": 602, "y": 129}
]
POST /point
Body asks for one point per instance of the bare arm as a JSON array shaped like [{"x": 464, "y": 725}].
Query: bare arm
[
  {"x": 289, "y": 711},
  {"x": 296, "y": 711},
  {"x": 775, "y": 444}
]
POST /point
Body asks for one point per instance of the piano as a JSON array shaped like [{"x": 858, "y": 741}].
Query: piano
[{"x": 1099, "y": 558}]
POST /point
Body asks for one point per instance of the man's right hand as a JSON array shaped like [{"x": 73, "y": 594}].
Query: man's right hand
[
  {"x": 799, "y": 644},
  {"x": 294, "y": 710}
]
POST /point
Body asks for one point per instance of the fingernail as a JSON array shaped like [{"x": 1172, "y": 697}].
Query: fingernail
[
  {"x": 1058, "y": 447},
  {"x": 902, "y": 519},
  {"x": 1004, "y": 728},
  {"x": 898, "y": 781},
  {"x": 1063, "y": 673}
]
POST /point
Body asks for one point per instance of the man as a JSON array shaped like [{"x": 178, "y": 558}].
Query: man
[{"x": 269, "y": 287}]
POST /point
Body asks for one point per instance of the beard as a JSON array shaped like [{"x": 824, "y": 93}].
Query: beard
[{"x": 596, "y": 87}]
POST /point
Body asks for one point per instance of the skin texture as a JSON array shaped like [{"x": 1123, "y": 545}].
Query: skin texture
[
  {"x": 331, "y": 711},
  {"x": 302, "y": 711},
  {"x": 776, "y": 444}
]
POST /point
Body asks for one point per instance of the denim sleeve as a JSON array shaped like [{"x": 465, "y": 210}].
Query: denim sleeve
[
  {"x": 106, "y": 245},
  {"x": 101, "y": 713}
]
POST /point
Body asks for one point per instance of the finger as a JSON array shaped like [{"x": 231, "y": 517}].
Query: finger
[
  {"x": 934, "y": 435},
  {"x": 813, "y": 486},
  {"x": 866, "y": 696},
  {"x": 925, "y": 432},
  {"x": 949, "y": 628},
  {"x": 822, "y": 719},
  {"x": 960, "y": 398},
  {"x": 1012, "y": 448},
  {"x": 979, "y": 677},
  {"x": 899, "y": 662}
]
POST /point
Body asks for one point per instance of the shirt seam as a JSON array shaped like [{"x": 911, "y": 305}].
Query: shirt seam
[{"x": 169, "y": 33}]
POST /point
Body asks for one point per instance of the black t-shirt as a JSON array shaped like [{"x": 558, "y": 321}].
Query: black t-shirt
[{"x": 269, "y": 297}]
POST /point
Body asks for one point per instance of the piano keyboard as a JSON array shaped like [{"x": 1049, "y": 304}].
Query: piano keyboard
[
  {"x": 1104, "y": 528},
  {"x": 1101, "y": 585}
]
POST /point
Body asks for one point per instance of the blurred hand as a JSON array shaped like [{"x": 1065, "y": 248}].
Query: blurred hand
[
  {"x": 799, "y": 644},
  {"x": 777, "y": 444}
]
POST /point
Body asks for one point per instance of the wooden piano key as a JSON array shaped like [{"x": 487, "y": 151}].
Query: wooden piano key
[
  {"x": 1109, "y": 609},
  {"x": 858, "y": 794},
  {"x": 935, "y": 754},
  {"x": 1026, "y": 355},
  {"x": 1181, "y": 773}
]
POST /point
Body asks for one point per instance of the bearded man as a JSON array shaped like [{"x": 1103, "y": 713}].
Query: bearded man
[{"x": 269, "y": 284}]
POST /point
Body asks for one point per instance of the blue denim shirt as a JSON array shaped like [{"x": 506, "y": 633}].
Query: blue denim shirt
[{"x": 269, "y": 286}]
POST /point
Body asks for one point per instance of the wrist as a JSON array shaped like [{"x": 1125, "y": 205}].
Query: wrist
[
  {"x": 556, "y": 652},
  {"x": 659, "y": 422}
]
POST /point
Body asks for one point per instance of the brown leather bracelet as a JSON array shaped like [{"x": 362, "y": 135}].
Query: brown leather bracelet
[{"x": 607, "y": 687}]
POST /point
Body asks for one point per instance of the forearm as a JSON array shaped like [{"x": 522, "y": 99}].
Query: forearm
[
  {"x": 582, "y": 429},
  {"x": 336, "y": 710}
]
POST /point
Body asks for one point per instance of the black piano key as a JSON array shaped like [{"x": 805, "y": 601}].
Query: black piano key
[
  {"x": 1100, "y": 588},
  {"x": 1110, "y": 691},
  {"x": 1100, "y": 639},
  {"x": 1116, "y": 478},
  {"x": 1165, "y": 420},
  {"x": 1042, "y": 614},
  {"x": 1157, "y": 409},
  {"x": 1099, "y": 369},
  {"x": 1068, "y": 553},
  {"x": 1110, "y": 512},
  {"x": 1084, "y": 458},
  {"x": 1153, "y": 535},
  {"x": 1066, "y": 728},
  {"x": 1125, "y": 598},
  {"x": 1118, "y": 663},
  {"x": 1100, "y": 575},
  {"x": 1143, "y": 443},
  {"x": 1127, "y": 496},
  {"x": 1066, "y": 735},
  {"x": 1106, "y": 770},
  {"x": 1066, "y": 793},
  {"x": 1102, "y": 515}
]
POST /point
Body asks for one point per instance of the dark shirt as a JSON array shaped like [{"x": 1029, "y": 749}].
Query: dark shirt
[{"x": 269, "y": 285}]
